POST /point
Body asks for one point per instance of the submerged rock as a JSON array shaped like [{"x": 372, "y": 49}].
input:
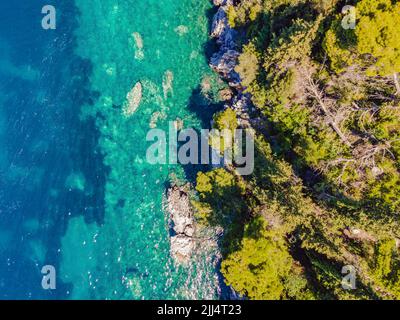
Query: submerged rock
[
  {"x": 134, "y": 98},
  {"x": 178, "y": 124},
  {"x": 181, "y": 30},
  {"x": 155, "y": 117},
  {"x": 139, "y": 53},
  {"x": 167, "y": 83}
]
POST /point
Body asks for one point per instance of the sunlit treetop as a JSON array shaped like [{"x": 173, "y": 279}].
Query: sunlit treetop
[{"x": 378, "y": 34}]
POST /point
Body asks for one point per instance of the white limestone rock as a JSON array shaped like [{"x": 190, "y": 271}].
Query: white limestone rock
[
  {"x": 182, "y": 248},
  {"x": 182, "y": 220}
]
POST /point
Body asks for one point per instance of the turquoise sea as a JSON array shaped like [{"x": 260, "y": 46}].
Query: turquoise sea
[{"x": 76, "y": 191}]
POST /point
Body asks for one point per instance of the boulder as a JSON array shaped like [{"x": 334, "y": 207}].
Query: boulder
[
  {"x": 224, "y": 63},
  {"x": 182, "y": 221},
  {"x": 219, "y": 3},
  {"x": 181, "y": 248},
  {"x": 179, "y": 209},
  {"x": 219, "y": 24},
  {"x": 222, "y": 32},
  {"x": 226, "y": 94}
]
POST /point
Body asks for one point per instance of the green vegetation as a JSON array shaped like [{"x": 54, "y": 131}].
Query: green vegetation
[
  {"x": 325, "y": 192},
  {"x": 263, "y": 268}
]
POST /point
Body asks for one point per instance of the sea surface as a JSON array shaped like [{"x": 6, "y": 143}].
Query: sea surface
[{"x": 76, "y": 191}]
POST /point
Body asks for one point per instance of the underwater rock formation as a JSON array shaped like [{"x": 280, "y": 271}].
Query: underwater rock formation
[
  {"x": 139, "y": 53},
  {"x": 134, "y": 97},
  {"x": 167, "y": 83}
]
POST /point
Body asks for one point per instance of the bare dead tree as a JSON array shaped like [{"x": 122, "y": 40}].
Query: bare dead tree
[{"x": 314, "y": 91}]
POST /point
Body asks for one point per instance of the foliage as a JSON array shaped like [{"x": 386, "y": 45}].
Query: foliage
[
  {"x": 248, "y": 66},
  {"x": 386, "y": 267},
  {"x": 327, "y": 147},
  {"x": 226, "y": 123},
  {"x": 261, "y": 267},
  {"x": 378, "y": 34}
]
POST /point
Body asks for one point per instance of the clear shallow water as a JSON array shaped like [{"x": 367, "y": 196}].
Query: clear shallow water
[{"x": 76, "y": 190}]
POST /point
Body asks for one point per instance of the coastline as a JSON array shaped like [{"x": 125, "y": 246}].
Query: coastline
[{"x": 225, "y": 60}]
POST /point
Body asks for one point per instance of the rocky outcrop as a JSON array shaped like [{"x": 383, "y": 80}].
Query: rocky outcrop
[
  {"x": 219, "y": 3},
  {"x": 225, "y": 60},
  {"x": 225, "y": 94},
  {"x": 224, "y": 63},
  {"x": 181, "y": 248},
  {"x": 182, "y": 223}
]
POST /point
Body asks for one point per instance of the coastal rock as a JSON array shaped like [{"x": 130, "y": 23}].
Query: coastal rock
[
  {"x": 224, "y": 63},
  {"x": 181, "y": 248},
  {"x": 241, "y": 103},
  {"x": 219, "y": 3},
  {"x": 181, "y": 216},
  {"x": 225, "y": 94},
  {"x": 225, "y": 60},
  {"x": 179, "y": 209},
  {"x": 224, "y": 34},
  {"x": 220, "y": 23}
]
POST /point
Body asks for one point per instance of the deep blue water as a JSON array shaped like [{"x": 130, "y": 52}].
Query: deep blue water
[{"x": 42, "y": 88}]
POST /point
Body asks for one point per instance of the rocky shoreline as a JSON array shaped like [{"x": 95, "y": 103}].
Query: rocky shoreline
[
  {"x": 184, "y": 237},
  {"x": 190, "y": 244},
  {"x": 180, "y": 212},
  {"x": 224, "y": 62}
]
